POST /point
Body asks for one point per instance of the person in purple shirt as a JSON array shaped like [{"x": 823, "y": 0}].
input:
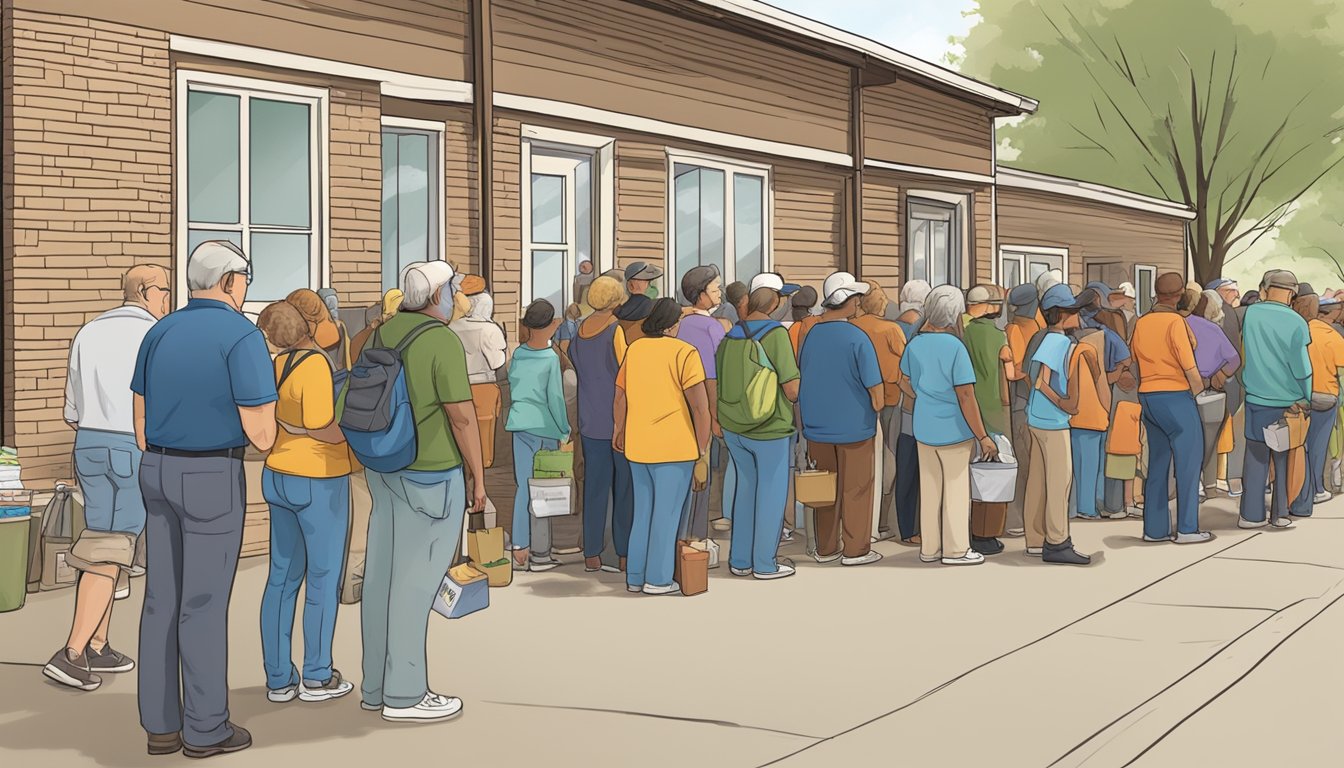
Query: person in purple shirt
[
  {"x": 1218, "y": 361},
  {"x": 701, "y": 289}
]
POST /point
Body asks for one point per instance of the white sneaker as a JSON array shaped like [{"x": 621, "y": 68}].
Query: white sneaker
[
  {"x": 1015, "y": 533},
  {"x": 1198, "y": 537},
  {"x": 1152, "y": 540},
  {"x": 970, "y": 558},
  {"x": 1121, "y": 515},
  {"x": 1035, "y": 551},
  {"x": 871, "y": 557},
  {"x": 1322, "y": 497},
  {"x": 739, "y": 571},
  {"x": 1244, "y": 523},
  {"x": 1283, "y": 522},
  {"x": 334, "y": 688},
  {"x": 282, "y": 695},
  {"x": 722, "y": 524},
  {"x": 670, "y": 589},
  {"x": 432, "y": 708},
  {"x": 826, "y": 558},
  {"x": 541, "y": 566},
  {"x": 1134, "y": 512},
  {"x": 633, "y": 588},
  {"x": 781, "y": 572},
  {"x": 929, "y": 559}
]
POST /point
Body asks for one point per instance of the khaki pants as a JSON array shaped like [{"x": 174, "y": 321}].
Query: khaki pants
[
  {"x": 851, "y": 517},
  {"x": 486, "y": 398},
  {"x": 1046, "y": 511},
  {"x": 945, "y": 499},
  {"x": 1022, "y": 451}
]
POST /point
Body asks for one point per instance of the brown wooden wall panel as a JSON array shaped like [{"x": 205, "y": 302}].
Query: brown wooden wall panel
[
  {"x": 634, "y": 60},
  {"x": 421, "y": 37},
  {"x": 1094, "y": 232},
  {"x": 907, "y": 123},
  {"x": 884, "y": 202},
  {"x": 808, "y": 221},
  {"x": 641, "y": 201},
  {"x": 880, "y": 259}
]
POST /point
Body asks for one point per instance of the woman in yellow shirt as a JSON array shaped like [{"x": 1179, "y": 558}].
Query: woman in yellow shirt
[
  {"x": 662, "y": 427},
  {"x": 306, "y": 482}
]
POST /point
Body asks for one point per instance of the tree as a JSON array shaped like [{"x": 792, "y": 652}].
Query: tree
[{"x": 1230, "y": 107}]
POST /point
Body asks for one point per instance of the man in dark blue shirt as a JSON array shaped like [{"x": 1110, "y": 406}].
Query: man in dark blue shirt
[{"x": 204, "y": 387}]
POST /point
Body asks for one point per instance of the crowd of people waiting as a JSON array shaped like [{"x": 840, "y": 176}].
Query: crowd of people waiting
[{"x": 1106, "y": 413}]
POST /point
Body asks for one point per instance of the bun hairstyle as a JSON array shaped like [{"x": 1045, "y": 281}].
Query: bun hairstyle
[{"x": 666, "y": 313}]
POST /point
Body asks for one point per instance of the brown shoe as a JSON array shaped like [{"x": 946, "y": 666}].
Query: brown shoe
[
  {"x": 239, "y": 741},
  {"x": 165, "y": 743}
]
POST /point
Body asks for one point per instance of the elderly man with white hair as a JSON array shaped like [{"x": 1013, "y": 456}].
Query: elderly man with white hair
[
  {"x": 940, "y": 377},
  {"x": 204, "y": 387},
  {"x": 416, "y": 524}
]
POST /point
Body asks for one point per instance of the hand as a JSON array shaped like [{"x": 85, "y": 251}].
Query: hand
[
  {"x": 1295, "y": 408},
  {"x": 478, "y": 496},
  {"x": 716, "y": 428},
  {"x": 989, "y": 450},
  {"x": 618, "y": 441},
  {"x": 700, "y": 475},
  {"x": 567, "y": 446},
  {"x": 1218, "y": 380}
]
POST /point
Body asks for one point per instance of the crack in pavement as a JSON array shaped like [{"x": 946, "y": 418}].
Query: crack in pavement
[
  {"x": 656, "y": 716},
  {"x": 1281, "y": 562}
]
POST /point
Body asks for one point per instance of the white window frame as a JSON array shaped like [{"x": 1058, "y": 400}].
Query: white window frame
[
  {"x": 671, "y": 281},
  {"x": 319, "y": 172},
  {"x": 962, "y": 205},
  {"x": 1139, "y": 299},
  {"x": 1022, "y": 253},
  {"x": 602, "y": 151},
  {"x": 438, "y": 193}
]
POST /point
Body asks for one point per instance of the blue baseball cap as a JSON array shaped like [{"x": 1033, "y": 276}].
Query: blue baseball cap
[
  {"x": 1060, "y": 297},
  {"x": 1221, "y": 282}
]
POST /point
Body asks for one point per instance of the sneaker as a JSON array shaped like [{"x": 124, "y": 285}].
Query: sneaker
[
  {"x": 1198, "y": 537},
  {"x": 123, "y": 586},
  {"x": 823, "y": 559},
  {"x": 739, "y": 571},
  {"x": 986, "y": 545},
  {"x": 239, "y": 741},
  {"x": 1035, "y": 551},
  {"x": 72, "y": 672},
  {"x": 541, "y": 566},
  {"x": 669, "y": 589},
  {"x": 633, "y": 588},
  {"x": 604, "y": 568},
  {"x": 786, "y": 537},
  {"x": 722, "y": 524},
  {"x": 568, "y": 550},
  {"x": 1015, "y": 533},
  {"x": 1248, "y": 524},
  {"x": 367, "y": 707},
  {"x": 284, "y": 695},
  {"x": 137, "y": 571},
  {"x": 1120, "y": 515},
  {"x": 334, "y": 688},
  {"x": 970, "y": 558},
  {"x": 1064, "y": 554},
  {"x": 1135, "y": 512},
  {"x": 108, "y": 660},
  {"x": 165, "y": 743},
  {"x": 781, "y": 572},
  {"x": 885, "y": 536},
  {"x": 871, "y": 557},
  {"x": 1283, "y": 522},
  {"x": 1089, "y": 518},
  {"x": 1322, "y": 497},
  {"x": 1153, "y": 540},
  {"x": 923, "y": 558},
  {"x": 432, "y": 708}
]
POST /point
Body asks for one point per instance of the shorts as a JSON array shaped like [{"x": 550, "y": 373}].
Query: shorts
[
  {"x": 102, "y": 548},
  {"x": 1121, "y": 467},
  {"x": 108, "y": 467}
]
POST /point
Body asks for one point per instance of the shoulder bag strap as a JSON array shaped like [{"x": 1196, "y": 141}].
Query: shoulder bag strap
[{"x": 295, "y": 359}]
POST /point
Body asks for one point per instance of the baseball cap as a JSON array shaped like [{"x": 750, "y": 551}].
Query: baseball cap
[
  {"x": 1305, "y": 289},
  {"x": 1023, "y": 295},
  {"x": 639, "y": 270},
  {"x": 1126, "y": 290},
  {"x": 1220, "y": 283},
  {"x": 841, "y": 287},
  {"x": 472, "y": 285},
  {"x": 1169, "y": 284},
  {"x": 1060, "y": 297},
  {"x": 1279, "y": 278},
  {"x": 775, "y": 282},
  {"x": 985, "y": 294}
]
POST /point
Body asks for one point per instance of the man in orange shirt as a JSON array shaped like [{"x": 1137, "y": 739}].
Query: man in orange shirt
[
  {"x": 1022, "y": 303},
  {"x": 889, "y": 341},
  {"x": 1169, "y": 380},
  {"x": 1327, "y": 360}
]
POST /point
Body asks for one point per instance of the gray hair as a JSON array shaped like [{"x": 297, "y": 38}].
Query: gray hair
[
  {"x": 1213, "y": 311},
  {"x": 914, "y": 294},
  {"x": 482, "y": 307},
  {"x": 1047, "y": 280},
  {"x": 211, "y": 261},
  {"x": 944, "y": 307},
  {"x": 420, "y": 280}
]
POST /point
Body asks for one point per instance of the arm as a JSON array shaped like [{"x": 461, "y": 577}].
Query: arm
[
  {"x": 1009, "y": 374},
  {"x": 698, "y": 398},
  {"x": 906, "y": 388},
  {"x": 72, "y": 381},
  {"x": 1103, "y": 381},
  {"x": 462, "y": 420},
  {"x": 618, "y": 413},
  {"x": 712, "y": 393},
  {"x": 259, "y": 424},
  {"x": 970, "y": 410},
  {"x": 138, "y": 409},
  {"x": 555, "y": 398},
  {"x": 875, "y": 397},
  {"x": 790, "y": 390},
  {"x": 1068, "y": 402}
]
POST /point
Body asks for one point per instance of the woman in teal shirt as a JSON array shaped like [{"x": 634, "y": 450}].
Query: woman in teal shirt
[{"x": 539, "y": 422}]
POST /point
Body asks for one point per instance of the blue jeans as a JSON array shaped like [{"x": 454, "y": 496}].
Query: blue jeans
[
  {"x": 1318, "y": 444},
  {"x": 108, "y": 467},
  {"x": 1088, "y": 448},
  {"x": 660, "y": 496},
  {"x": 606, "y": 483},
  {"x": 907, "y": 486},
  {"x": 310, "y": 520},
  {"x": 1255, "y": 469},
  {"x": 525, "y": 526},
  {"x": 1175, "y": 443},
  {"x": 762, "y": 491},
  {"x": 729, "y": 485}
]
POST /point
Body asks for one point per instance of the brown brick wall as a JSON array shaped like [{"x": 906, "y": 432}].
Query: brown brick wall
[
  {"x": 92, "y": 185},
  {"x": 356, "y": 194},
  {"x": 508, "y": 222},
  {"x": 6, "y": 221}
]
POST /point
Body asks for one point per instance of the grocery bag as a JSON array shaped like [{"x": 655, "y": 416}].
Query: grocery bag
[
  {"x": 691, "y": 569},
  {"x": 485, "y": 550},
  {"x": 60, "y": 527},
  {"x": 814, "y": 487},
  {"x": 550, "y": 497},
  {"x": 553, "y": 464},
  {"x": 995, "y": 481},
  {"x": 464, "y": 591}
]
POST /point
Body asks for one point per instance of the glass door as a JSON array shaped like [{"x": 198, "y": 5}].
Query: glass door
[{"x": 557, "y": 225}]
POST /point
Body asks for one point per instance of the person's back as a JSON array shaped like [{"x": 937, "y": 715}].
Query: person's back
[
  {"x": 889, "y": 342},
  {"x": 985, "y": 343},
  {"x": 306, "y": 403},
  {"x": 838, "y": 365},
  {"x": 1277, "y": 366},
  {"x": 1163, "y": 350},
  {"x": 937, "y": 364},
  {"x": 536, "y": 401}
]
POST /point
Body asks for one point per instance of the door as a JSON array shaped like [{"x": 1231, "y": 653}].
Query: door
[
  {"x": 557, "y": 225},
  {"x": 934, "y": 250},
  {"x": 1024, "y": 265}
]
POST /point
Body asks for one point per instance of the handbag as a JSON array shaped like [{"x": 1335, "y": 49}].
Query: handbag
[
  {"x": 61, "y": 525},
  {"x": 550, "y": 496}
]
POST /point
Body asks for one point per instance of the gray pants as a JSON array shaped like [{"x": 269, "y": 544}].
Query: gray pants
[
  {"x": 1022, "y": 452},
  {"x": 193, "y": 533},
  {"x": 414, "y": 533},
  {"x": 890, "y": 419}
]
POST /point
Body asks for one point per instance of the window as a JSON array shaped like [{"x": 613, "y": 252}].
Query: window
[
  {"x": 558, "y": 229},
  {"x": 253, "y": 176},
  {"x": 411, "y": 211},
  {"x": 1145, "y": 280},
  {"x": 719, "y": 214},
  {"x": 935, "y": 235},
  {"x": 1024, "y": 263}
]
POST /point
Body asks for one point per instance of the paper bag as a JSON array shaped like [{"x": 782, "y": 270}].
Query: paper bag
[
  {"x": 485, "y": 549},
  {"x": 692, "y": 570},
  {"x": 814, "y": 487}
]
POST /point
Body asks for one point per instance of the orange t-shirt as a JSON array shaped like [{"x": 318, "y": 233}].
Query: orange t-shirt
[
  {"x": 1164, "y": 351},
  {"x": 799, "y": 329},
  {"x": 1124, "y": 438},
  {"x": 1019, "y": 333},
  {"x": 889, "y": 341},
  {"x": 1327, "y": 357},
  {"x": 1092, "y": 414}
]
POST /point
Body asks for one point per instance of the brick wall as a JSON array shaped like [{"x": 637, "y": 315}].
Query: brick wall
[
  {"x": 90, "y": 111},
  {"x": 356, "y": 194},
  {"x": 6, "y": 221}
]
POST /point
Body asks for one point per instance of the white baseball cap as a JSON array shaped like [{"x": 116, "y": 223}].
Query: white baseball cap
[
  {"x": 1127, "y": 289},
  {"x": 840, "y": 287},
  {"x": 421, "y": 279},
  {"x": 775, "y": 282}
]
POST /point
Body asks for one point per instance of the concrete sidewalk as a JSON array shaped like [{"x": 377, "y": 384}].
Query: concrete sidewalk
[{"x": 1014, "y": 663}]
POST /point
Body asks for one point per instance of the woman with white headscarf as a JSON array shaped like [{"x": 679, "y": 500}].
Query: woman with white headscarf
[
  {"x": 485, "y": 346},
  {"x": 940, "y": 378}
]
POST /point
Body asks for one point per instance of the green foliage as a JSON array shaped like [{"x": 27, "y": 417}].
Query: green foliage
[{"x": 1231, "y": 107}]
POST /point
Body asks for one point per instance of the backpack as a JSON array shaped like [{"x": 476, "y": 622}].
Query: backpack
[
  {"x": 376, "y": 414},
  {"x": 748, "y": 382}
]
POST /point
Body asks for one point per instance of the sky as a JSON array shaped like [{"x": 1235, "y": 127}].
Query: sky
[{"x": 917, "y": 27}]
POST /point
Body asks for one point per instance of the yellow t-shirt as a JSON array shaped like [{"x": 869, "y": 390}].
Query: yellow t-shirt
[
  {"x": 307, "y": 401},
  {"x": 655, "y": 376},
  {"x": 1327, "y": 357}
]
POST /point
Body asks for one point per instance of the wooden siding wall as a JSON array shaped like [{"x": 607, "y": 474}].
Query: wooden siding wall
[
  {"x": 884, "y": 199},
  {"x": 415, "y": 36},
  {"x": 808, "y": 221},
  {"x": 911, "y": 124},
  {"x": 623, "y": 57},
  {"x": 1094, "y": 232}
]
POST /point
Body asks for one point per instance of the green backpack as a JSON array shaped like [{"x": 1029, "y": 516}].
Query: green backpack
[{"x": 748, "y": 382}]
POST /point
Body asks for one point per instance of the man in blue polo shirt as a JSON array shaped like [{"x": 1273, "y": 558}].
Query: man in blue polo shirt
[{"x": 204, "y": 387}]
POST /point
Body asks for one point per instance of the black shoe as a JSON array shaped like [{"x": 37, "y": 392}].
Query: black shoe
[
  {"x": 72, "y": 672},
  {"x": 108, "y": 660},
  {"x": 165, "y": 743},
  {"x": 1064, "y": 554},
  {"x": 239, "y": 741},
  {"x": 986, "y": 546}
]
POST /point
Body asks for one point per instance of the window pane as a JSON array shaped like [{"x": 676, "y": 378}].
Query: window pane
[
  {"x": 1012, "y": 273},
  {"x": 941, "y": 250},
  {"x": 280, "y": 163},
  {"x": 548, "y": 208},
  {"x": 711, "y": 218},
  {"x": 583, "y": 211},
  {"x": 413, "y": 199},
  {"x": 391, "y": 264},
  {"x": 748, "y": 226},
  {"x": 1036, "y": 269},
  {"x": 919, "y": 250},
  {"x": 197, "y": 236},
  {"x": 548, "y": 278},
  {"x": 279, "y": 265},
  {"x": 688, "y": 221},
  {"x": 212, "y": 158}
]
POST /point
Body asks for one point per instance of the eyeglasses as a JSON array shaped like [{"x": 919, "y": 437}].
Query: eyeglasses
[{"x": 246, "y": 273}]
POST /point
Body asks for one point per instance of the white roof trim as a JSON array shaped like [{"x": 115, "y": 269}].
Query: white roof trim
[
  {"x": 816, "y": 30},
  {"x": 612, "y": 119},
  {"x": 1017, "y": 179},
  {"x": 920, "y": 170},
  {"x": 392, "y": 83}
]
